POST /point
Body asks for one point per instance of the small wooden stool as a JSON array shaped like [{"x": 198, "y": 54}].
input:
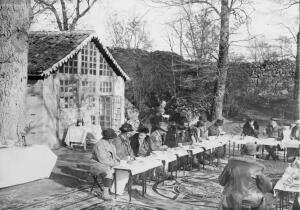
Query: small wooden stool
[{"x": 96, "y": 181}]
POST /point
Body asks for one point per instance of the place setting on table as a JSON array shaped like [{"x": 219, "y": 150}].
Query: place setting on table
[{"x": 288, "y": 186}]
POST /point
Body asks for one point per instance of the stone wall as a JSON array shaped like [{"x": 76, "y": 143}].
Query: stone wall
[
  {"x": 41, "y": 112},
  {"x": 268, "y": 79}
]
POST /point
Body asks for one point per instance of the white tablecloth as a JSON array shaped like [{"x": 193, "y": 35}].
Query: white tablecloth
[
  {"x": 19, "y": 165},
  {"x": 283, "y": 185},
  {"x": 76, "y": 134},
  {"x": 137, "y": 166}
]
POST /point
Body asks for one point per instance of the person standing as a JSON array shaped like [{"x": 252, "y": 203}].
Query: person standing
[
  {"x": 245, "y": 184},
  {"x": 122, "y": 143},
  {"x": 140, "y": 142},
  {"x": 104, "y": 158},
  {"x": 157, "y": 137},
  {"x": 273, "y": 130},
  {"x": 295, "y": 135}
]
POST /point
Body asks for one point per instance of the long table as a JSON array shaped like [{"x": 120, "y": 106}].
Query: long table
[
  {"x": 125, "y": 171},
  {"x": 284, "y": 144}
]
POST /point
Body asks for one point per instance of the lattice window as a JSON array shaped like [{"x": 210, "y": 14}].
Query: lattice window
[
  {"x": 67, "y": 93},
  {"x": 84, "y": 60},
  {"x": 93, "y": 59},
  {"x": 105, "y": 107},
  {"x": 105, "y": 87},
  {"x": 117, "y": 111},
  {"x": 93, "y": 119},
  {"x": 70, "y": 67},
  {"x": 105, "y": 69},
  {"x": 92, "y": 101}
]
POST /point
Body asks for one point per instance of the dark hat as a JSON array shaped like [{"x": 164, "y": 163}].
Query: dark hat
[
  {"x": 109, "y": 134},
  {"x": 163, "y": 126},
  {"x": 143, "y": 129},
  {"x": 126, "y": 127},
  {"x": 219, "y": 122}
]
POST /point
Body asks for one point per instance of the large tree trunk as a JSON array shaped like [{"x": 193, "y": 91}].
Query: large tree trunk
[
  {"x": 14, "y": 21},
  {"x": 297, "y": 76},
  {"x": 222, "y": 62}
]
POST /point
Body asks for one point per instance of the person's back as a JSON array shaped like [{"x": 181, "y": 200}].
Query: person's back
[{"x": 244, "y": 182}]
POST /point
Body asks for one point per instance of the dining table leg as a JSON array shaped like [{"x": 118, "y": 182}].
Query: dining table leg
[
  {"x": 130, "y": 186},
  {"x": 229, "y": 148},
  {"x": 115, "y": 178}
]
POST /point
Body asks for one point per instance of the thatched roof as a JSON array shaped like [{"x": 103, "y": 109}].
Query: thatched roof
[{"x": 50, "y": 50}]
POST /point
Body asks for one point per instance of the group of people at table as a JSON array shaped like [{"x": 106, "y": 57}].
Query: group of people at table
[
  {"x": 243, "y": 177},
  {"x": 114, "y": 149}
]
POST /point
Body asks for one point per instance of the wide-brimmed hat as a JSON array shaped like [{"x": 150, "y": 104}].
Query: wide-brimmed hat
[
  {"x": 143, "y": 129},
  {"x": 126, "y": 127},
  {"x": 163, "y": 126},
  {"x": 108, "y": 134},
  {"x": 250, "y": 148}
]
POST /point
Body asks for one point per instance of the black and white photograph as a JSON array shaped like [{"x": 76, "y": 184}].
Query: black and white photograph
[{"x": 150, "y": 104}]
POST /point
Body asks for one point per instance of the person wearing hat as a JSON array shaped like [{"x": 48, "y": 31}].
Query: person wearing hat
[
  {"x": 295, "y": 135},
  {"x": 215, "y": 129},
  {"x": 251, "y": 128},
  {"x": 273, "y": 130},
  {"x": 202, "y": 131},
  {"x": 245, "y": 184},
  {"x": 156, "y": 137},
  {"x": 104, "y": 158},
  {"x": 122, "y": 143},
  {"x": 140, "y": 142}
]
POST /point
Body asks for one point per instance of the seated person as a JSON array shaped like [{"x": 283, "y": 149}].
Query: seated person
[
  {"x": 244, "y": 181},
  {"x": 104, "y": 158},
  {"x": 202, "y": 131},
  {"x": 273, "y": 130},
  {"x": 215, "y": 129},
  {"x": 157, "y": 137},
  {"x": 122, "y": 143},
  {"x": 295, "y": 135},
  {"x": 140, "y": 142},
  {"x": 183, "y": 135},
  {"x": 251, "y": 128},
  {"x": 170, "y": 139}
]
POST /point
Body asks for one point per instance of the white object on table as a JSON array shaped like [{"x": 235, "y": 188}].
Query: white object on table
[{"x": 20, "y": 165}]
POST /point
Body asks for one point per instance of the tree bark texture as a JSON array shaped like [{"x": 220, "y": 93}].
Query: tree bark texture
[
  {"x": 14, "y": 23},
  {"x": 222, "y": 62},
  {"x": 297, "y": 75}
]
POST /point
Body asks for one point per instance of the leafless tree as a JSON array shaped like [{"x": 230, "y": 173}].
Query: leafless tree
[
  {"x": 197, "y": 34},
  {"x": 65, "y": 12},
  {"x": 130, "y": 33},
  {"x": 224, "y": 9}
]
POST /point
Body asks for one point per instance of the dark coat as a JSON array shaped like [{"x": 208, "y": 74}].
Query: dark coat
[
  {"x": 135, "y": 145},
  {"x": 123, "y": 147},
  {"x": 213, "y": 130},
  {"x": 276, "y": 132},
  {"x": 248, "y": 130},
  {"x": 244, "y": 182}
]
